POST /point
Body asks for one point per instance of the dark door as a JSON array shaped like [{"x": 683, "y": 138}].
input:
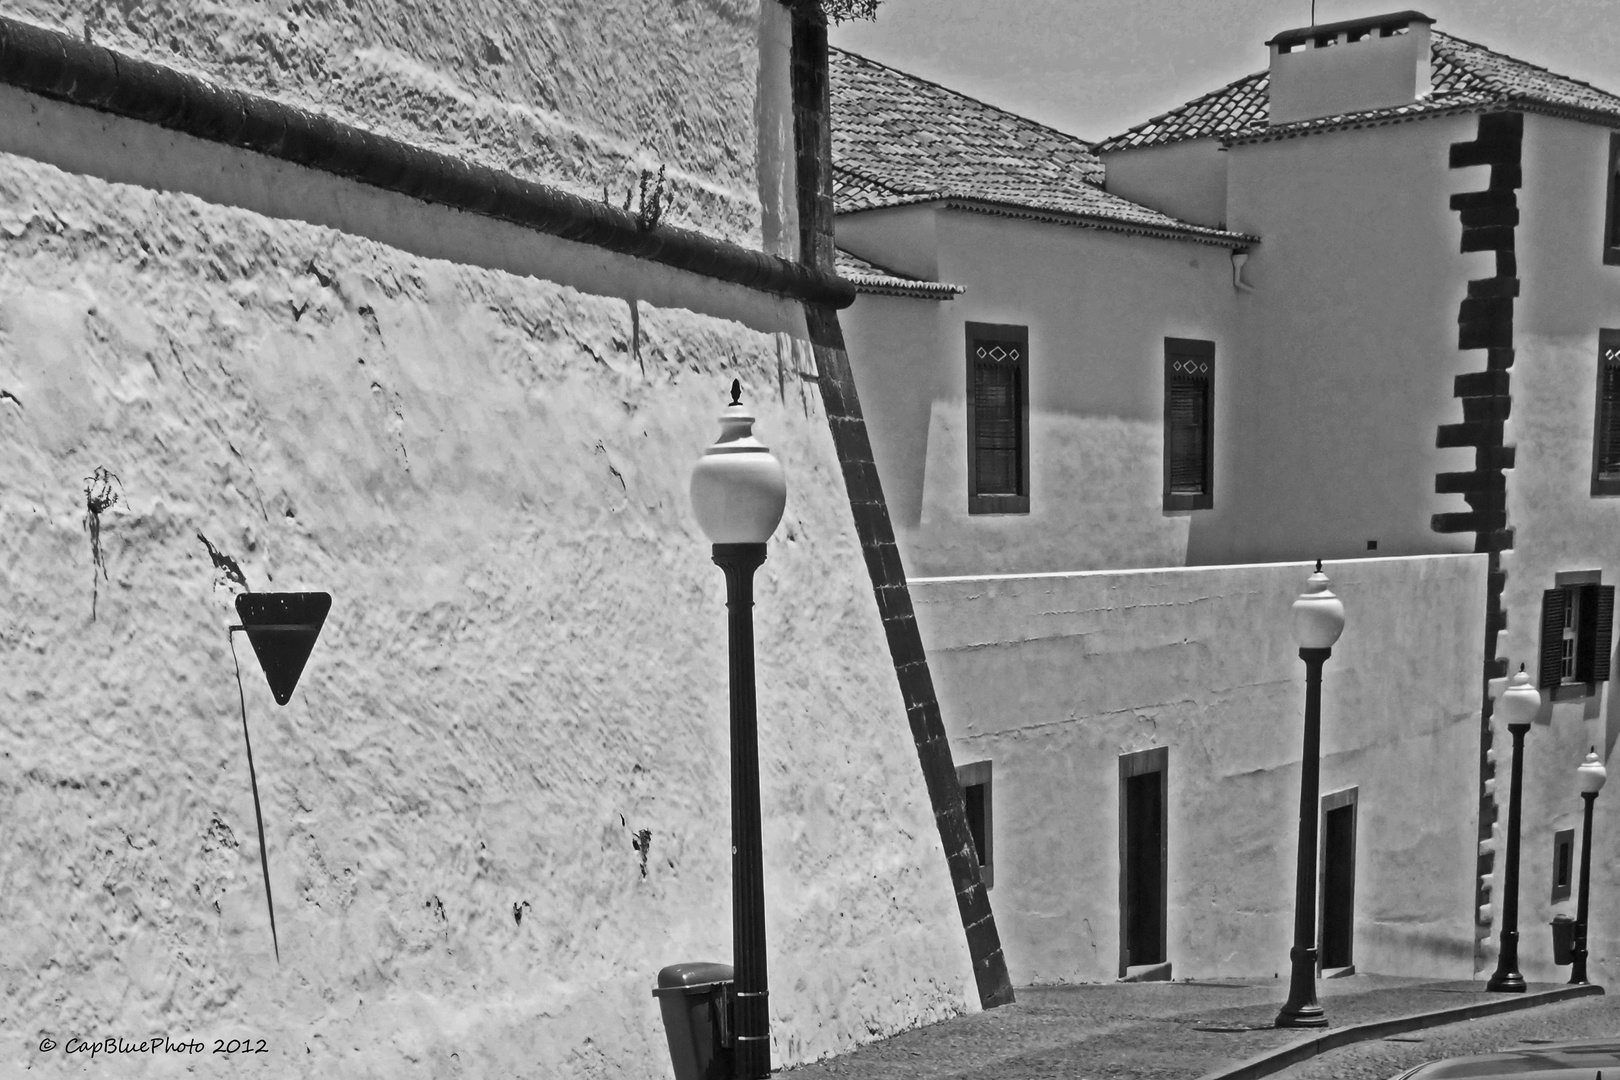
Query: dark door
[
  {"x": 1338, "y": 884},
  {"x": 1144, "y": 869}
]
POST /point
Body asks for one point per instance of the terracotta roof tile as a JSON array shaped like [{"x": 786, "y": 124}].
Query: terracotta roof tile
[
  {"x": 1463, "y": 75},
  {"x": 869, "y": 277},
  {"x": 898, "y": 139}
]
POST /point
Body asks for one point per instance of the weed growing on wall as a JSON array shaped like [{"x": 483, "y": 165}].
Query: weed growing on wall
[
  {"x": 840, "y": 11},
  {"x": 654, "y": 202},
  {"x": 225, "y": 567},
  {"x": 99, "y": 497},
  {"x": 643, "y": 844}
]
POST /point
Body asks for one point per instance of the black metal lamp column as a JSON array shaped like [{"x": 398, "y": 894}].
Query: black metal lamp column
[
  {"x": 1318, "y": 621},
  {"x": 1518, "y": 707},
  {"x": 751, "y": 1021},
  {"x": 1591, "y": 775},
  {"x": 738, "y": 494}
]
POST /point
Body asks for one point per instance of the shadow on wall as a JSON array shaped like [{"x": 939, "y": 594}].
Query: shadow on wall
[{"x": 1611, "y": 715}]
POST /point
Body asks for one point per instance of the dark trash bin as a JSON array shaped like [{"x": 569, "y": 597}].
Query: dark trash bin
[
  {"x": 696, "y": 1002},
  {"x": 1563, "y": 930}
]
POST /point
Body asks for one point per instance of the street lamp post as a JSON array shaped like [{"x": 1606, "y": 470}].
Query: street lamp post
[
  {"x": 1518, "y": 705},
  {"x": 1318, "y": 622},
  {"x": 1591, "y": 776},
  {"x": 738, "y": 494}
]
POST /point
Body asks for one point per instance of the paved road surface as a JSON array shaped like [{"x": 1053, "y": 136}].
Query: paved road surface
[
  {"x": 1584, "y": 1018},
  {"x": 1144, "y": 1031}
]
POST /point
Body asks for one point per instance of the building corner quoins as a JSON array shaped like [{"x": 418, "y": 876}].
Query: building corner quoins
[
  {"x": 812, "y": 116},
  {"x": 1489, "y": 219}
]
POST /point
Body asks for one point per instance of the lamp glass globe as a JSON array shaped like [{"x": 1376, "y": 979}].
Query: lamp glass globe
[
  {"x": 1318, "y": 614},
  {"x": 1519, "y": 702},
  {"x": 1591, "y": 774},
  {"x": 738, "y": 488}
]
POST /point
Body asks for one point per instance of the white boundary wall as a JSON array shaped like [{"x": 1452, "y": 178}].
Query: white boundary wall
[{"x": 1052, "y": 677}]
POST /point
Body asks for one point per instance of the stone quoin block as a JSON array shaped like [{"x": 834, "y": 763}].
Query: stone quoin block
[
  {"x": 1486, "y": 333},
  {"x": 1480, "y": 384},
  {"x": 1487, "y": 408}
]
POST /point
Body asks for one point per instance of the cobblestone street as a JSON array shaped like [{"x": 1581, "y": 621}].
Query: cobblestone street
[
  {"x": 1567, "y": 1021},
  {"x": 1183, "y": 1030}
]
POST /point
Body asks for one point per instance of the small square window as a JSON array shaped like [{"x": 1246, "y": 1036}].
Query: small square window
[
  {"x": 998, "y": 418},
  {"x": 1563, "y": 863},
  {"x": 976, "y": 792}
]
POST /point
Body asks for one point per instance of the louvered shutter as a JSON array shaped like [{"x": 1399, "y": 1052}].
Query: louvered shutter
[
  {"x": 1608, "y": 436},
  {"x": 997, "y": 417},
  {"x": 1552, "y": 638},
  {"x": 1189, "y": 379},
  {"x": 1188, "y": 444},
  {"x": 1602, "y": 631}
]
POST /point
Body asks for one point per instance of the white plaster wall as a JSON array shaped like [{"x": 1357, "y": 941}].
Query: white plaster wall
[
  {"x": 893, "y": 344},
  {"x": 1184, "y": 179},
  {"x": 579, "y": 93},
  {"x": 1566, "y": 296},
  {"x": 901, "y": 238},
  {"x": 524, "y": 664},
  {"x": 1349, "y": 346},
  {"x": 1051, "y": 677},
  {"x": 1098, "y": 306}
]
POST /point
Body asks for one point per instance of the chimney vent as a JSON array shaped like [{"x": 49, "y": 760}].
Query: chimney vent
[{"x": 1346, "y": 67}]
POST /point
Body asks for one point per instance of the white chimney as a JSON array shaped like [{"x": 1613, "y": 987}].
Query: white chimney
[{"x": 1345, "y": 67}]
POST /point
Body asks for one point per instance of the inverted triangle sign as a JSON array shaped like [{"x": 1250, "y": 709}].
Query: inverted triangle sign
[{"x": 283, "y": 628}]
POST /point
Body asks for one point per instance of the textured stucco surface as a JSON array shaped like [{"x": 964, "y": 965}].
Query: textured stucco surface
[
  {"x": 1052, "y": 677},
  {"x": 579, "y": 93},
  {"x": 524, "y": 664},
  {"x": 1567, "y": 295}
]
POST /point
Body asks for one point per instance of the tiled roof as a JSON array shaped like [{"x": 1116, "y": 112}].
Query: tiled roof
[
  {"x": 1463, "y": 76},
  {"x": 898, "y": 139},
  {"x": 871, "y": 278}
]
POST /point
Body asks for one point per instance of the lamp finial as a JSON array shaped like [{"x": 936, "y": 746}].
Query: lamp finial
[
  {"x": 1318, "y": 566},
  {"x": 736, "y": 391}
]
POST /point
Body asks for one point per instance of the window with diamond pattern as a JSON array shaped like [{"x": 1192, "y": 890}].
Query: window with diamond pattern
[
  {"x": 998, "y": 418},
  {"x": 1606, "y": 437},
  {"x": 1189, "y": 415}
]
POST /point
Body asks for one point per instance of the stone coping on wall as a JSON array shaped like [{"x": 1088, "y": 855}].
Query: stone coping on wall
[
  {"x": 1327, "y": 565},
  {"x": 57, "y": 66}
]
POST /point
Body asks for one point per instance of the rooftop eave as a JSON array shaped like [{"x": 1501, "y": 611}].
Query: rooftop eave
[
  {"x": 1404, "y": 113},
  {"x": 1197, "y": 234},
  {"x": 1103, "y": 148},
  {"x": 911, "y": 290}
]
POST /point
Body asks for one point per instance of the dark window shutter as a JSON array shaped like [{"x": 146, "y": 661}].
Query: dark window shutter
[
  {"x": 1597, "y": 643},
  {"x": 997, "y": 415},
  {"x": 1614, "y": 197},
  {"x": 1189, "y": 382},
  {"x": 1187, "y": 436},
  {"x": 1609, "y": 410},
  {"x": 1552, "y": 638}
]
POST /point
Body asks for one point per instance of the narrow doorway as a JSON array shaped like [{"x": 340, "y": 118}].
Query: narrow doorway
[
  {"x": 976, "y": 792},
  {"x": 1143, "y": 850},
  {"x": 1338, "y": 881}
]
